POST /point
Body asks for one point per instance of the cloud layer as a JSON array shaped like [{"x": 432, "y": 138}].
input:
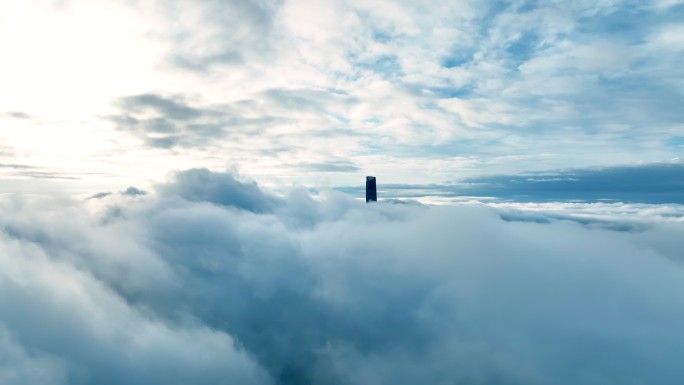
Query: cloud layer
[
  {"x": 211, "y": 280},
  {"x": 651, "y": 183}
]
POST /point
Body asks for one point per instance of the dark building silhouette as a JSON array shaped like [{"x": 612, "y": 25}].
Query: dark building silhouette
[{"x": 371, "y": 190}]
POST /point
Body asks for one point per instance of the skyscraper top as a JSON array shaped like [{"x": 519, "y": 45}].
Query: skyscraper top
[{"x": 371, "y": 190}]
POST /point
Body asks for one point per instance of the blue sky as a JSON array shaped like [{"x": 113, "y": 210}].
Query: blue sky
[{"x": 99, "y": 95}]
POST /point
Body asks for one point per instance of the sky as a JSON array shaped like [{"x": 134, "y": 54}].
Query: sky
[
  {"x": 99, "y": 95},
  {"x": 181, "y": 192}
]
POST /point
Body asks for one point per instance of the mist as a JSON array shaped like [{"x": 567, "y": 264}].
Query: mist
[{"x": 210, "y": 279}]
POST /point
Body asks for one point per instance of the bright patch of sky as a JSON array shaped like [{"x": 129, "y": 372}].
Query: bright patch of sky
[{"x": 102, "y": 94}]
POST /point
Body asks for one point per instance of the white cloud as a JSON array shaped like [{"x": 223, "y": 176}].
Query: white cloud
[
  {"x": 210, "y": 278},
  {"x": 668, "y": 39},
  {"x": 58, "y": 309},
  {"x": 668, "y": 3},
  {"x": 303, "y": 85}
]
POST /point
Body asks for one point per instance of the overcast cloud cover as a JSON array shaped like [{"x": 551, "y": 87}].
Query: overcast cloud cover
[{"x": 210, "y": 280}]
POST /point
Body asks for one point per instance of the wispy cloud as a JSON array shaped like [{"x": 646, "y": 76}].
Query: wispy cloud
[{"x": 18, "y": 115}]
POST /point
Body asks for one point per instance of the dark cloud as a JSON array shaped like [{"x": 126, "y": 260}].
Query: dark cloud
[
  {"x": 265, "y": 122},
  {"x": 173, "y": 109},
  {"x": 168, "y": 142},
  {"x": 133, "y": 191},
  {"x": 652, "y": 183},
  {"x": 212, "y": 280},
  {"x": 18, "y": 115},
  {"x": 100, "y": 195},
  {"x": 16, "y": 166},
  {"x": 202, "y": 185},
  {"x": 170, "y": 121}
]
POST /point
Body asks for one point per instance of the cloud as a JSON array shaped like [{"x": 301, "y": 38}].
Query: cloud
[
  {"x": 19, "y": 366},
  {"x": 210, "y": 279},
  {"x": 512, "y": 86},
  {"x": 130, "y": 191},
  {"x": 175, "y": 122},
  {"x": 170, "y": 108},
  {"x": 613, "y": 216},
  {"x": 201, "y": 185},
  {"x": 168, "y": 122},
  {"x": 46, "y": 175},
  {"x": 238, "y": 32},
  {"x": 18, "y": 171},
  {"x": 651, "y": 183},
  {"x": 59, "y": 302},
  {"x": 341, "y": 166},
  {"x": 655, "y": 183},
  {"x": 133, "y": 191},
  {"x": 100, "y": 195},
  {"x": 16, "y": 166},
  {"x": 18, "y": 115}
]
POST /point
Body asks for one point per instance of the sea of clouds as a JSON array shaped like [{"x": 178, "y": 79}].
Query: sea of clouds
[{"x": 209, "y": 279}]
